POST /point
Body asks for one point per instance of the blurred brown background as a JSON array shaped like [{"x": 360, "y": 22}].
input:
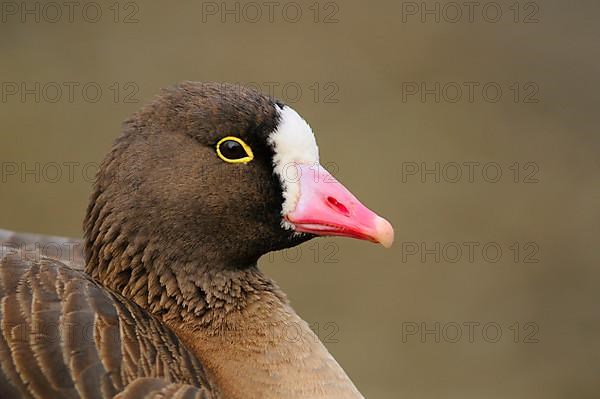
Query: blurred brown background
[{"x": 378, "y": 82}]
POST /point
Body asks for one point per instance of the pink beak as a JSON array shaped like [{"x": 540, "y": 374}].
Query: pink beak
[{"x": 326, "y": 207}]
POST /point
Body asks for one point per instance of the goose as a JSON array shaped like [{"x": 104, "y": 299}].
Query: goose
[{"x": 169, "y": 301}]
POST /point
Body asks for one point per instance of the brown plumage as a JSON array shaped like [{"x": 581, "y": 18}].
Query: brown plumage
[
  {"x": 171, "y": 302},
  {"x": 66, "y": 336}
]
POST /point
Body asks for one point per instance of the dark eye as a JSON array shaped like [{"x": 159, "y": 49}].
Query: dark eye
[{"x": 234, "y": 150}]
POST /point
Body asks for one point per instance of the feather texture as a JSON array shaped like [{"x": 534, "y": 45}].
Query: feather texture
[{"x": 65, "y": 336}]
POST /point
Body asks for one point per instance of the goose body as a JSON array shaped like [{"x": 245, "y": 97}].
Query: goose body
[
  {"x": 169, "y": 301},
  {"x": 66, "y": 336}
]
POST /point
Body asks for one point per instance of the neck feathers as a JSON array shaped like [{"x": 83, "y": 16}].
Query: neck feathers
[{"x": 169, "y": 284}]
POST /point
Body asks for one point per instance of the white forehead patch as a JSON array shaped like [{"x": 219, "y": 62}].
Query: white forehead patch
[{"x": 293, "y": 143}]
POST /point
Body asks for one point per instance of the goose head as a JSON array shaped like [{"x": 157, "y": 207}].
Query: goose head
[{"x": 222, "y": 173}]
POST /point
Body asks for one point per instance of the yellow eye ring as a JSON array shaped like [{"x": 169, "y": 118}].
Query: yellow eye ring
[{"x": 230, "y": 152}]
